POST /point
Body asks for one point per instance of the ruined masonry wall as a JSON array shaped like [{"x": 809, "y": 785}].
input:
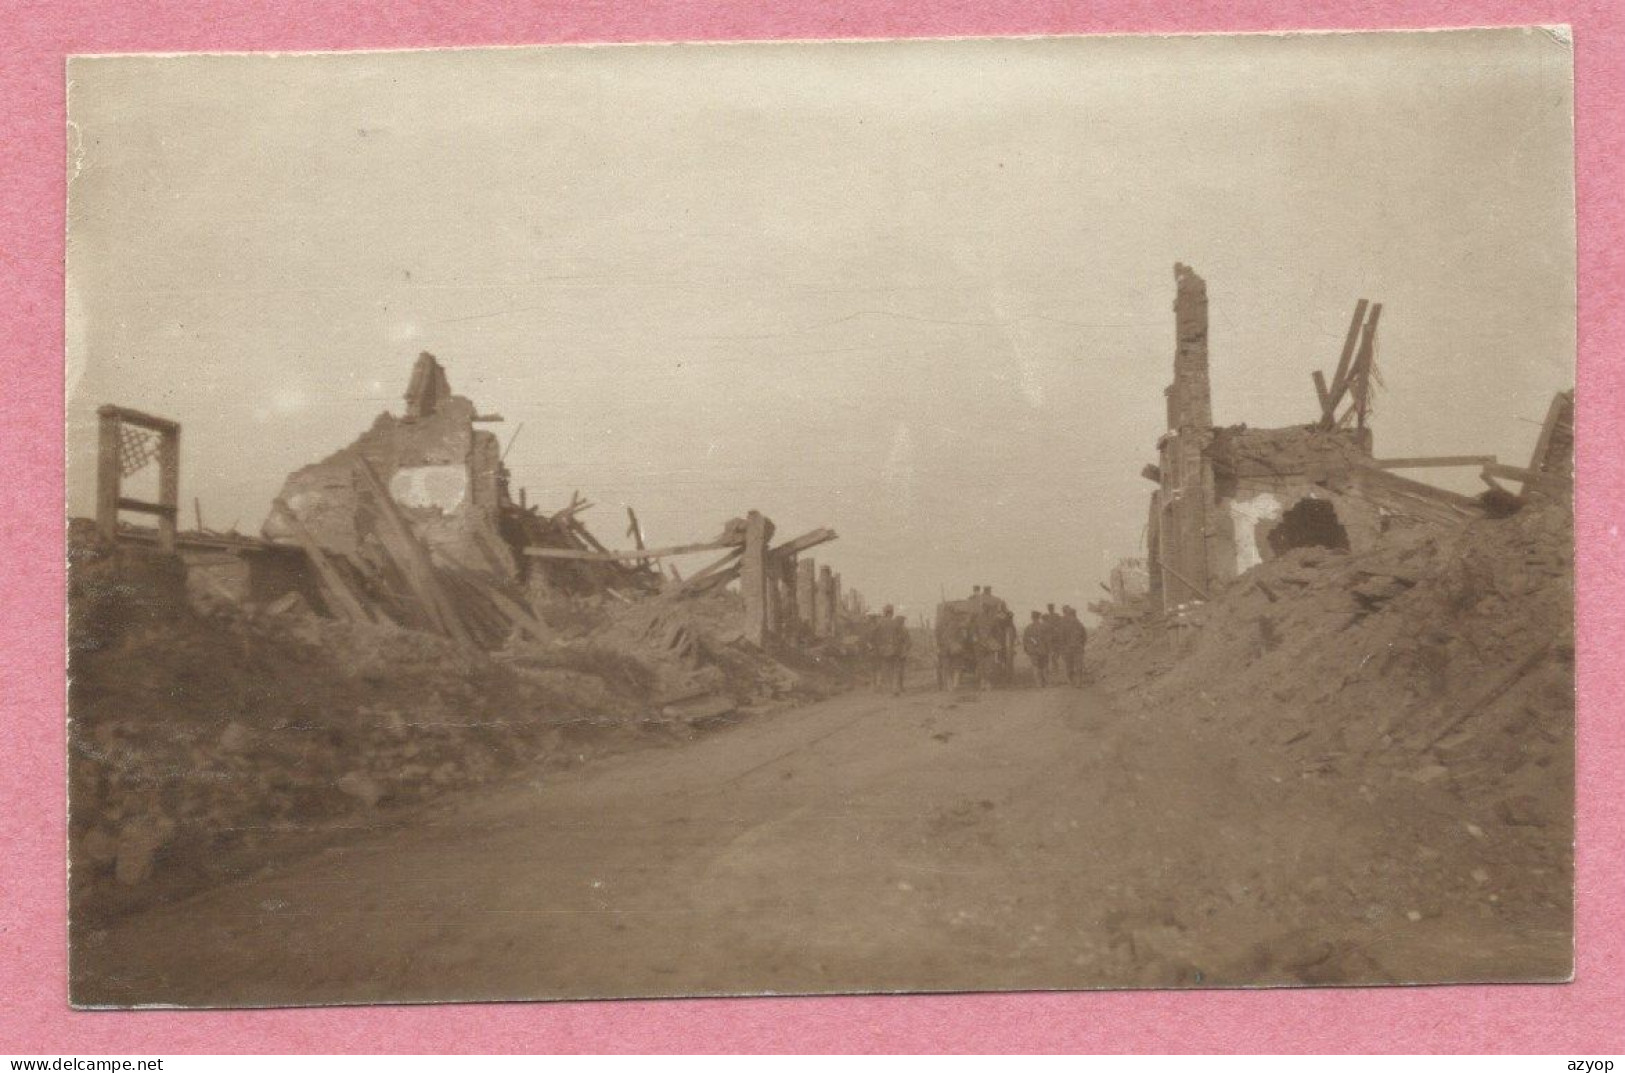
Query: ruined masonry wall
[
  {"x": 1242, "y": 523},
  {"x": 440, "y": 470}
]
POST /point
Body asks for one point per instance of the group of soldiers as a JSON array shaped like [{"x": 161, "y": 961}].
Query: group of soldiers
[
  {"x": 1054, "y": 645},
  {"x": 888, "y": 642},
  {"x": 978, "y": 636}
]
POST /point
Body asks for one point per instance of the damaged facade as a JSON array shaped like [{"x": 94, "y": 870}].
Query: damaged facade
[
  {"x": 414, "y": 524},
  {"x": 1231, "y": 497}
]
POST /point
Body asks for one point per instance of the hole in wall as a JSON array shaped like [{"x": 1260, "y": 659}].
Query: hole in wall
[{"x": 1309, "y": 523}]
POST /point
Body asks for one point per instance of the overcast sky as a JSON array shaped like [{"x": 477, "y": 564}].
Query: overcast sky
[{"x": 917, "y": 291}]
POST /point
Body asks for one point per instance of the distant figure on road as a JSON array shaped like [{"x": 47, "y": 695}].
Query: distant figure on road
[
  {"x": 891, "y": 644},
  {"x": 1073, "y": 637},
  {"x": 1036, "y": 645},
  {"x": 866, "y": 646},
  {"x": 1052, "y": 640}
]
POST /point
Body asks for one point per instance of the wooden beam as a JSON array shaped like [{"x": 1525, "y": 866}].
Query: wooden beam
[
  {"x": 576, "y": 507},
  {"x": 1401, "y": 495},
  {"x": 340, "y": 599},
  {"x": 1562, "y": 404},
  {"x": 804, "y": 542},
  {"x": 1189, "y": 584},
  {"x": 621, "y": 556},
  {"x": 1545, "y": 482},
  {"x": 1152, "y": 472},
  {"x": 516, "y": 613},
  {"x": 754, "y": 579},
  {"x": 696, "y": 585},
  {"x": 141, "y": 506},
  {"x": 806, "y": 589},
  {"x": 1360, "y": 377},
  {"x": 1340, "y": 378},
  {"x": 136, "y": 417},
  {"x": 1434, "y": 462},
  {"x": 727, "y": 566},
  {"x": 412, "y": 558},
  {"x": 169, "y": 486},
  {"x": 633, "y": 529},
  {"x": 1322, "y": 392},
  {"x": 109, "y": 475}
]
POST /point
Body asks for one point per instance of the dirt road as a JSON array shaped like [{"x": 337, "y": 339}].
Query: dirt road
[{"x": 1019, "y": 839}]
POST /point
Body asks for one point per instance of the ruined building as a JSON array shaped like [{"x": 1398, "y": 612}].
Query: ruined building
[
  {"x": 1230, "y": 497},
  {"x": 413, "y": 523}
]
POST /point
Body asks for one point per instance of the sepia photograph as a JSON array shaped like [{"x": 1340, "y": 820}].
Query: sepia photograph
[{"x": 842, "y": 517}]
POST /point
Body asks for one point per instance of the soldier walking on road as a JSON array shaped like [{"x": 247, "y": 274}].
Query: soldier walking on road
[
  {"x": 1036, "y": 645},
  {"x": 1074, "y": 636},
  {"x": 1052, "y": 640},
  {"x": 891, "y": 644}
]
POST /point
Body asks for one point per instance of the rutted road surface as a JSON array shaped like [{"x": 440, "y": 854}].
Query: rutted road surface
[{"x": 1020, "y": 839}]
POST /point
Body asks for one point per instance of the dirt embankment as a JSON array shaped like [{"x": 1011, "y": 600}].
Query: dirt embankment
[
  {"x": 207, "y": 738},
  {"x": 1428, "y": 683}
]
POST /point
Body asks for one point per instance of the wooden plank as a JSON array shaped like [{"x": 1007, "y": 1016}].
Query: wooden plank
[
  {"x": 141, "y": 506},
  {"x": 1401, "y": 495},
  {"x": 169, "y": 486},
  {"x": 581, "y": 531},
  {"x": 1531, "y": 479},
  {"x": 109, "y": 477},
  {"x": 700, "y": 582},
  {"x": 694, "y": 586},
  {"x": 804, "y": 542},
  {"x": 1189, "y": 584},
  {"x": 1434, "y": 462},
  {"x": 515, "y": 612},
  {"x": 1494, "y": 693},
  {"x": 142, "y": 420},
  {"x": 806, "y": 587},
  {"x": 339, "y": 597},
  {"x": 1360, "y": 377},
  {"x": 754, "y": 579},
  {"x": 1340, "y": 378},
  {"x": 575, "y": 507},
  {"x": 1562, "y": 405},
  {"x": 403, "y": 546},
  {"x": 621, "y": 556},
  {"x": 1321, "y": 391},
  {"x": 1382, "y": 478}
]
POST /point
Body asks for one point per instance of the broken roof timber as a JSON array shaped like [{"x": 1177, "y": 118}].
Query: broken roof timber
[
  {"x": 622, "y": 556},
  {"x": 1433, "y": 462},
  {"x": 1401, "y": 495},
  {"x": 804, "y": 542}
]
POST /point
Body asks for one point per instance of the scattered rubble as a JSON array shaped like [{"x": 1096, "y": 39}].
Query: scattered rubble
[
  {"x": 1430, "y": 679},
  {"x": 211, "y": 736}
]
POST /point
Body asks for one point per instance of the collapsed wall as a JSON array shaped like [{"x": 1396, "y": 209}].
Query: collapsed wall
[
  {"x": 439, "y": 468},
  {"x": 413, "y": 525}
]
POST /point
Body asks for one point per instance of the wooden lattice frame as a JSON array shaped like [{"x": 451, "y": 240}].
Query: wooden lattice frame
[{"x": 127, "y": 441}]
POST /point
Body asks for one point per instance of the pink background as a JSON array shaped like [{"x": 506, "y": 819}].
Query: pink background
[{"x": 1586, "y": 1017}]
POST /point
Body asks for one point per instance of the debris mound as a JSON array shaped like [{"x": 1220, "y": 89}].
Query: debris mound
[
  {"x": 211, "y": 737},
  {"x": 1432, "y": 676}
]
